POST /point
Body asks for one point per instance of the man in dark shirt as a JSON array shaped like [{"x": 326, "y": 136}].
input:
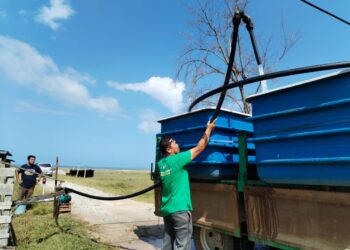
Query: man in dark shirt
[{"x": 27, "y": 177}]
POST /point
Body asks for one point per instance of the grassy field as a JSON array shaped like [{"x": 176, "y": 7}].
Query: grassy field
[
  {"x": 118, "y": 182},
  {"x": 36, "y": 229}
]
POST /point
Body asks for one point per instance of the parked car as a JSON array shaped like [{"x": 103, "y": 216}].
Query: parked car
[{"x": 46, "y": 168}]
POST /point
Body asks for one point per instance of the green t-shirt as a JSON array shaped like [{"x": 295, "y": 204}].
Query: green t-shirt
[{"x": 176, "y": 194}]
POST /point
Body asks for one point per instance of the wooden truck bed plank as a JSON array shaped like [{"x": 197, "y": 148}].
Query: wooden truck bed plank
[
  {"x": 306, "y": 219},
  {"x": 216, "y": 206}
]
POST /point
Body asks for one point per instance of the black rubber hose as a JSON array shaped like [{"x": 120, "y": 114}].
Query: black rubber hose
[
  {"x": 326, "y": 12},
  {"x": 268, "y": 76},
  {"x": 113, "y": 198},
  {"x": 236, "y": 21},
  {"x": 250, "y": 27}
]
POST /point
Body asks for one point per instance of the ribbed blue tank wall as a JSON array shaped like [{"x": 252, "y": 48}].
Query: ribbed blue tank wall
[
  {"x": 220, "y": 158},
  {"x": 302, "y": 132}
]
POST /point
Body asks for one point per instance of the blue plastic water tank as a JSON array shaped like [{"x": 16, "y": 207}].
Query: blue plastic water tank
[
  {"x": 220, "y": 159},
  {"x": 302, "y": 131}
]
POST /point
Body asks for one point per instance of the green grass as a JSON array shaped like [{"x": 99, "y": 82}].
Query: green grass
[
  {"x": 36, "y": 229},
  {"x": 118, "y": 182}
]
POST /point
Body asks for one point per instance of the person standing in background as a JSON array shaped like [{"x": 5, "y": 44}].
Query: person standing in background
[{"x": 27, "y": 176}]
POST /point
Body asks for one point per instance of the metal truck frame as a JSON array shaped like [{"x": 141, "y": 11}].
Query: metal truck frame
[{"x": 240, "y": 213}]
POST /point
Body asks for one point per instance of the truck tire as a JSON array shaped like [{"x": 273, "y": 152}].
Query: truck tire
[{"x": 207, "y": 239}]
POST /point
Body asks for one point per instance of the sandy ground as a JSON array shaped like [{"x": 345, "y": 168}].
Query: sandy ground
[{"x": 125, "y": 224}]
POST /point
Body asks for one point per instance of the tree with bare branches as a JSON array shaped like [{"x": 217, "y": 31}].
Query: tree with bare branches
[{"x": 204, "y": 61}]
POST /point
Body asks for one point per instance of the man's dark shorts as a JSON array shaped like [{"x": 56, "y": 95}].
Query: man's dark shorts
[
  {"x": 25, "y": 193},
  {"x": 178, "y": 231}
]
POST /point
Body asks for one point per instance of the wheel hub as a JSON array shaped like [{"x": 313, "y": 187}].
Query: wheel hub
[{"x": 211, "y": 240}]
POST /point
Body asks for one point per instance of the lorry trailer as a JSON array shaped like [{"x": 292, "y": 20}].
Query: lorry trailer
[{"x": 279, "y": 177}]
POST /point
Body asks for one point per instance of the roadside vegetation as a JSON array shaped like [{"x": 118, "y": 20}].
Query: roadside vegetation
[
  {"x": 117, "y": 182},
  {"x": 36, "y": 229}
]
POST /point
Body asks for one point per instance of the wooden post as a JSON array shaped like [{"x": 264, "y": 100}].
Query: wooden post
[
  {"x": 55, "y": 202},
  {"x": 56, "y": 171},
  {"x": 85, "y": 173}
]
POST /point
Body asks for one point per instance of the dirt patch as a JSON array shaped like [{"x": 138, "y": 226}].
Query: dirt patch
[{"x": 125, "y": 224}]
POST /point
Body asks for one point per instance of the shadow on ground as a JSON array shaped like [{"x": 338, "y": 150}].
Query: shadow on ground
[
  {"x": 152, "y": 234},
  {"x": 149, "y": 231}
]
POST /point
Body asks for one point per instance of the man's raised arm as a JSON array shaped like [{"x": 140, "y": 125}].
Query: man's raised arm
[{"x": 203, "y": 142}]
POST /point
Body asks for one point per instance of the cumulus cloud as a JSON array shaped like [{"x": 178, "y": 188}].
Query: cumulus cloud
[
  {"x": 24, "y": 65},
  {"x": 54, "y": 14},
  {"x": 164, "y": 89},
  {"x": 148, "y": 121},
  {"x": 3, "y": 14}
]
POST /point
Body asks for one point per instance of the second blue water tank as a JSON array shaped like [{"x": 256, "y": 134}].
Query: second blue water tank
[{"x": 302, "y": 132}]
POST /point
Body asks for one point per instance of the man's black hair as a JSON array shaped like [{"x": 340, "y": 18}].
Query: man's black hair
[
  {"x": 31, "y": 156},
  {"x": 164, "y": 144}
]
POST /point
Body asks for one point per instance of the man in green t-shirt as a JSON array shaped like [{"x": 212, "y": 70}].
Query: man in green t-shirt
[{"x": 176, "y": 205}]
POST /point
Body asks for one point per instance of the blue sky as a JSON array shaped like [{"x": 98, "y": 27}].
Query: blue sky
[{"x": 87, "y": 80}]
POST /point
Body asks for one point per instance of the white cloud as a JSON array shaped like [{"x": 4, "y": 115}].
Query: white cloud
[
  {"x": 22, "y": 12},
  {"x": 55, "y": 14},
  {"x": 164, "y": 89},
  {"x": 84, "y": 78},
  {"x": 3, "y": 14},
  {"x": 24, "y": 65},
  {"x": 148, "y": 121},
  {"x": 37, "y": 108}
]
